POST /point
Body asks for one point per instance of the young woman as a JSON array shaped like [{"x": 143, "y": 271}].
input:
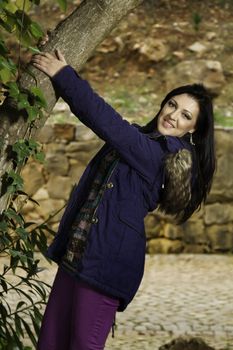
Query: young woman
[{"x": 100, "y": 244}]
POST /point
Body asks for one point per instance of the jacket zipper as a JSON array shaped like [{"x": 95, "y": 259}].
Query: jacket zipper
[{"x": 106, "y": 180}]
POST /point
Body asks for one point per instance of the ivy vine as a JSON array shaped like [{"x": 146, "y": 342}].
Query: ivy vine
[{"x": 20, "y": 239}]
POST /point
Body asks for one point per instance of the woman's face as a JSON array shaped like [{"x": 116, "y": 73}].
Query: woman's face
[{"x": 178, "y": 116}]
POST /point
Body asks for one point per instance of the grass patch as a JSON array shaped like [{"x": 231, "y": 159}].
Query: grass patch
[
  {"x": 122, "y": 100},
  {"x": 223, "y": 120},
  {"x": 62, "y": 118}
]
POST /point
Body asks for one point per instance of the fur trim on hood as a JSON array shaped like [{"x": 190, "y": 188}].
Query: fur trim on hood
[{"x": 176, "y": 193}]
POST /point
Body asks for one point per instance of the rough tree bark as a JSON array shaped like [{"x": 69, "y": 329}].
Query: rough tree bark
[{"x": 77, "y": 37}]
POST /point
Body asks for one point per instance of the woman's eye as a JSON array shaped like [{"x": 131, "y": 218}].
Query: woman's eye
[
  {"x": 187, "y": 116},
  {"x": 171, "y": 104}
]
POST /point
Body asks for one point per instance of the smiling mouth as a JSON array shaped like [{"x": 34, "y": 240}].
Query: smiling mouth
[{"x": 168, "y": 124}]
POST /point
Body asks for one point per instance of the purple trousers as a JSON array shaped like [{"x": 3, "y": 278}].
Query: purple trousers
[{"x": 77, "y": 317}]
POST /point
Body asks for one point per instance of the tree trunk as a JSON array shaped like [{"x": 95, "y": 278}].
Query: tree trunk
[{"x": 77, "y": 37}]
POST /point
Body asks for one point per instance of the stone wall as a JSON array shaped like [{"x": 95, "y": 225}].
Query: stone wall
[{"x": 68, "y": 149}]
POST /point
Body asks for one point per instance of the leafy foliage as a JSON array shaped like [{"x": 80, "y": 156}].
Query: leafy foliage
[{"x": 20, "y": 239}]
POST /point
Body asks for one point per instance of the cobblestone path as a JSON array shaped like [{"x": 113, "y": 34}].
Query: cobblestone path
[{"x": 179, "y": 295}]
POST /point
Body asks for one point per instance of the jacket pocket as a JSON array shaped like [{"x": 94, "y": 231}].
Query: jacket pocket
[
  {"x": 133, "y": 244},
  {"x": 130, "y": 214}
]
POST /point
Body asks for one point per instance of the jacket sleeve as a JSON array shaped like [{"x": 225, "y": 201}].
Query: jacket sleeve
[{"x": 137, "y": 149}]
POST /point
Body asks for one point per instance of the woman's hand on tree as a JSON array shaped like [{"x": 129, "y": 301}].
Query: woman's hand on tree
[
  {"x": 48, "y": 63},
  {"x": 44, "y": 39}
]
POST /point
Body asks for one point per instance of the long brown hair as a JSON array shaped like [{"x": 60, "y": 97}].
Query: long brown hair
[{"x": 202, "y": 153}]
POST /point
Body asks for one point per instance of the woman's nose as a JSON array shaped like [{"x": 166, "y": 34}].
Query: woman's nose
[{"x": 174, "y": 115}]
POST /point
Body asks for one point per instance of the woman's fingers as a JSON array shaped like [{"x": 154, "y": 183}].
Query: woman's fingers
[
  {"x": 39, "y": 59},
  {"x": 42, "y": 62},
  {"x": 44, "y": 57},
  {"x": 48, "y": 63},
  {"x": 60, "y": 56},
  {"x": 51, "y": 57},
  {"x": 48, "y": 55},
  {"x": 40, "y": 67},
  {"x": 44, "y": 39}
]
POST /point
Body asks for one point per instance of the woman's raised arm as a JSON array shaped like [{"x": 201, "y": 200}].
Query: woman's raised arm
[{"x": 137, "y": 149}]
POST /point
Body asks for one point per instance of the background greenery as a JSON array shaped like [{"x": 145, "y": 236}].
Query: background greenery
[{"x": 20, "y": 239}]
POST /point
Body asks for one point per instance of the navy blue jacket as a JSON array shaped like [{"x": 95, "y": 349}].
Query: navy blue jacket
[{"x": 114, "y": 257}]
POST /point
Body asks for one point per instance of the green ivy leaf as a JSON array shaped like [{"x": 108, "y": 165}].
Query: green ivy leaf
[
  {"x": 38, "y": 314},
  {"x": 11, "y": 214},
  {"x": 16, "y": 182},
  {"x": 6, "y": 25},
  {"x": 18, "y": 326},
  {"x": 4, "y": 4},
  {"x": 5, "y": 241},
  {"x": 20, "y": 304},
  {"x": 26, "y": 4},
  {"x": 23, "y": 101},
  {"x": 4, "y": 63},
  {"x": 33, "y": 144},
  {"x": 14, "y": 253},
  {"x": 34, "y": 49},
  {"x": 13, "y": 89},
  {"x": 26, "y": 38},
  {"x": 3, "y": 48},
  {"x": 5, "y": 75},
  {"x": 3, "y": 312},
  {"x": 22, "y": 19},
  {"x": 15, "y": 341},
  {"x": 40, "y": 157},
  {"x": 36, "y": 324},
  {"x": 3, "y": 226},
  {"x": 11, "y": 7},
  {"x": 37, "y": 92},
  {"x": 36, "y": 30},
  {"x": 23, "y": 259},
  {"x": 23, "y": 234},
  {"x": 3, "y": 284},
  {"x": 62, "y": 4},
  {"x": 32, "y": 113},
  {"x": 7, "y": 70},
  {"x": 22, "y": 150},
  {"x": 30, "y": 333}
]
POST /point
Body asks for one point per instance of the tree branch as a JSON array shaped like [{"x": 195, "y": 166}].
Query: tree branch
[{"x": 77, "y": 37}]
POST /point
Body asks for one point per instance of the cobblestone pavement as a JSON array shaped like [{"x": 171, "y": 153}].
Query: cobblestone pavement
[{"x": 179, "y": 295}]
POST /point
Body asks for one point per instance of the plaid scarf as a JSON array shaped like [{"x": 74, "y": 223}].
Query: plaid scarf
[{"x": 83, "y": 220}]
